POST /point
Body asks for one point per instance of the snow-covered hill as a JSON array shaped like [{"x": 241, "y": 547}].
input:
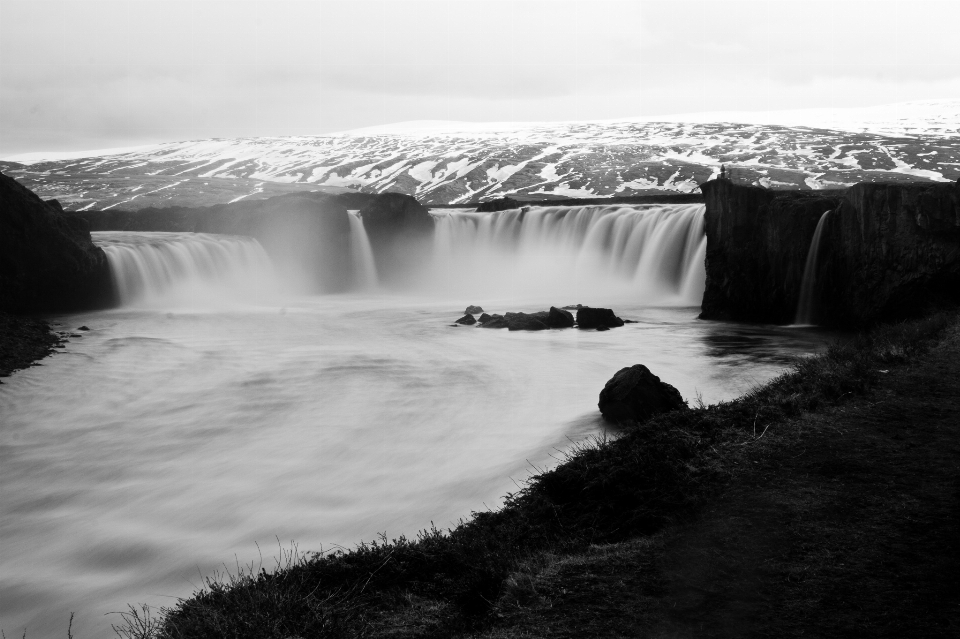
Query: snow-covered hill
[{"x": 444, "y": 163}]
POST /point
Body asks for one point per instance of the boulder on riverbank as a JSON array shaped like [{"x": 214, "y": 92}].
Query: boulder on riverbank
[
  {"x": 635, "y": 394},
  {"x": 47, "y": 260}
]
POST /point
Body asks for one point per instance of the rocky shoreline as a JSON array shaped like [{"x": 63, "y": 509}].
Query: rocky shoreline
[{"x": 24, "y": 341}]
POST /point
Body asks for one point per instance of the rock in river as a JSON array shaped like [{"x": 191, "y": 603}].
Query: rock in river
[
  {"x": 559, "y": 318},
  {"x": 526, "y": 321},
  {"x": 493, "y": 321},
  {"x": 467, "y": 320},
  {"x": 636, "y": 394},
  {"x": 597, "y": 317}
]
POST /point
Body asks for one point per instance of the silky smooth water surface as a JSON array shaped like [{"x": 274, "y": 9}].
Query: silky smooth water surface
[{"x": 165, "y": 443}]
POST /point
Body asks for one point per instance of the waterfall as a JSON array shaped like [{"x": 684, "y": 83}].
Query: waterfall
[
  {"x": 808, "y": 285},
  {"x": 649, "y": 253},
  {"x": 363, "y": 264},
  {"x": 596, "y": 254},
  {"x": 193, "y": 267}
]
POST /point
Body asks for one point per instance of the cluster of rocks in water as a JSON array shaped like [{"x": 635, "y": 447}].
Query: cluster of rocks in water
[
  {"x": 601, "y": 319},
  {"x": 631, "y": 396}
]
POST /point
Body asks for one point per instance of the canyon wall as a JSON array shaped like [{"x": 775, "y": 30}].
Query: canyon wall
[
  {"x": 885, "y": 250},
  {"x": 48, "y": 262}
]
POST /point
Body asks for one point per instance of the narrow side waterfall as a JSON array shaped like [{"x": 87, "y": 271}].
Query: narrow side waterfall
[
  {"x": 648, "y": 253},
  {"x": 808, "y": 286},
  {"x": 169, "y": 268},
  {"x": 363, "y": 264}
]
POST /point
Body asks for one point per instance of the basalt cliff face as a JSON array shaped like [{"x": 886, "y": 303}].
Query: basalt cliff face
[
  {"x": 884, "y": 249},
  {"x": 308, "y": 230},
  {"x": 401, "y": 232},
  {"x": 47, "y": 260},
  {"x": 888, "y": 250}
]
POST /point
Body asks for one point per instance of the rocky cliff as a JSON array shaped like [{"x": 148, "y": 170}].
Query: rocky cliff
[
  {"x": 884, "y": 249},
  {"x": 401, "y": 233},
  {"x": 301, "y": 232},
  {"x": 47, "y": 259},
  {"x": 891, "y": 248}
]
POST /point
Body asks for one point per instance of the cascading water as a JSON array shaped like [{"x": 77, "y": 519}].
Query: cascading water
[
  {"x": 363, "y": 263},
  {"x": 651, "y": 253},
  {"x": 163, "y": 267},
  {"x": 808, "y": 286}
]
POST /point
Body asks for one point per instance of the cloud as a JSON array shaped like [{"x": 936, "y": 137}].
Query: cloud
[{"x": 106, "y": 73}]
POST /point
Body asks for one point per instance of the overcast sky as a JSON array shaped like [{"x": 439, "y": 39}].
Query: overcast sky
[{"x": 88, "y": 74}]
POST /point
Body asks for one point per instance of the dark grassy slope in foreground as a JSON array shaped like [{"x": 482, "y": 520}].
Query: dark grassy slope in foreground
[
  {"x": 484, "y": 573},
  {"x": 844, "y": 522}
]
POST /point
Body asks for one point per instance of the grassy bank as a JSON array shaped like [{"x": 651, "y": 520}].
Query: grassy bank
[{"x": 618, "y": 495}]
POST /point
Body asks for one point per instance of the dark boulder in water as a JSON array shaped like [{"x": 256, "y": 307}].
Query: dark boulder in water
[
  {"x": 597, "y": 317},
  {"x": 635, "y": 394},
  {"x": 47, "y": 260},
  {"x": 526, "y": 321},
  {"x": 473, "y": 310},
  {"x": 502, "y": 204},
  {"x": 559, "y": 318},
  {"x": 485, "y": 318},
  {"x": 495, "y": 321},
  {"x": 467, "y": 320}
]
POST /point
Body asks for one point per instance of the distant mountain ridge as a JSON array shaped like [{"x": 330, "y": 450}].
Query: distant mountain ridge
[{"x": 449, "y": 163}]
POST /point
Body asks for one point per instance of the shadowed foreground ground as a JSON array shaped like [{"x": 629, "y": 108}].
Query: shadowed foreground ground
[{"x": 842, "y": 523}]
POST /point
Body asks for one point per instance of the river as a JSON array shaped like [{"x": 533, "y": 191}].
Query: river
[{"x": 219, "y": 417}]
